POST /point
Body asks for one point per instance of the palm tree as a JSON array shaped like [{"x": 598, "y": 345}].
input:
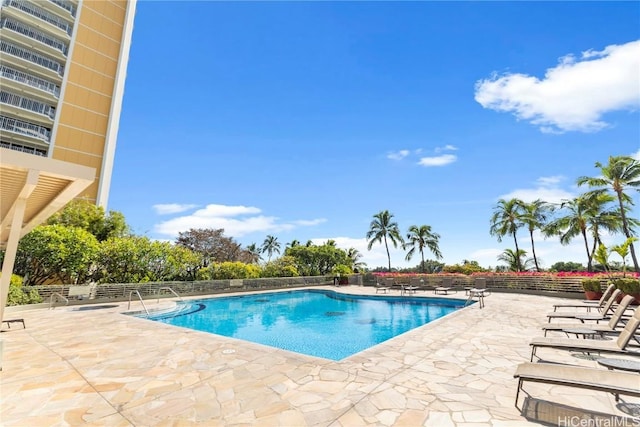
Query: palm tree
[
  {"x": 420, "y": 238},
  {"x": 621, "y": 172},
  {"x": 585, "y": 212},
  {"x": 535, "y": 216},
  {"x": 354, "y": 256},
  {"x": 382, "y": 227},
  {"x": 270, "y": 246},
  {"x": 623, "y": 250},
  {"x": 506, "y": 219},
  {"x": 293, "y": 243},
  {"x": 514, "y": 259},
  {"x": 254, "y": 252}
]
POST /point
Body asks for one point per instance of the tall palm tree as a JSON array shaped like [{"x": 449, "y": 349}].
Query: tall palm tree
[
  {"x": 621, "y": 172},
  {"x": 383, "y": 228},
  {"x": 270, "y": 246},
  {"x": 421, "y": 237},
  {"x": 535, "y": 216},
  {"x": 584, "y": 213},
  {"x": 514, "y": 259},
  {"x": 506, "y": 219}
]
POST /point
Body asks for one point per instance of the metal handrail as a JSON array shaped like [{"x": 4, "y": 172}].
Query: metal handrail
[
  {"x": 166, "y": 288},
  {"x": 56, "y": 294},
  {"x": 141, "y": 302}
]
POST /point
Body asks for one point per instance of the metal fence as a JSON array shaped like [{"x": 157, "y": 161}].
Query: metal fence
[{"x": 123, "y": 291}]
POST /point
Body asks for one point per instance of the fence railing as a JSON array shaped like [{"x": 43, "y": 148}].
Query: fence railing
[{"x": 121, "y": 291}]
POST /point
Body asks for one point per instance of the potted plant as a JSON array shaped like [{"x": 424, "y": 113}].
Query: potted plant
[
  {"x": 592, "y": 289},
  {"x": 629, "y": 286},
  {"x": 341, "y": 274}
]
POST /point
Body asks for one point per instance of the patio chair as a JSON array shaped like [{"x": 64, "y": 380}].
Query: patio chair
[
  {"x": 603, "y": 315},
  {"x": 446, "y": 286},
  {"x": 615, "y": 382},
  {"x": 589, "y": 304},
  {"x": 612, "y": 326},
  {"x": 620, "y": 346},
  {"x": 381, "y": 288}
]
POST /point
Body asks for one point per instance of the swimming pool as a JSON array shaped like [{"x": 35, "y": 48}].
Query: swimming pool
[{"x": 319, "y": 323}]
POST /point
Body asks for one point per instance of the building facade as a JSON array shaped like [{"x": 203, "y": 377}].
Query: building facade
[{"x": 62, "y": 73}]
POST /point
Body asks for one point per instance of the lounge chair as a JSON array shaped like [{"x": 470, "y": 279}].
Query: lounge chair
[
  {"x": 603, "y": 315},
  {"x": 446, "y": 286},
  {"x": 615, "y": 382},
  {"x": 619, "y": 346},
  {"x": 381, "y": 288},
  {"x": 611, "y": 327},
  {"x": 589, "y": 304}
]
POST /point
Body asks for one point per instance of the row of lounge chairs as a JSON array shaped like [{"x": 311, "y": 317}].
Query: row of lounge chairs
[
  {"x": 445, "y": 287},
  {"x": 621, "y": 332}
]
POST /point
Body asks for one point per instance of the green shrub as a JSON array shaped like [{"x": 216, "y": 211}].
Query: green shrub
[
  {"x": 18, "y": 296},
  {"x": 591, "y": 285},
  {"x": 628, "y": 285}
]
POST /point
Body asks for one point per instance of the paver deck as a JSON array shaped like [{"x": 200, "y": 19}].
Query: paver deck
[{"x": 99, "y": 367}]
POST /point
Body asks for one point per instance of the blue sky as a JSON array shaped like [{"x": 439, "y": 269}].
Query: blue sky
[{"x": 303, "y": 119}]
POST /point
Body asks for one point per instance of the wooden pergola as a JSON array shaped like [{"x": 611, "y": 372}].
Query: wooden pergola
[{"x": 32, "y": 188}]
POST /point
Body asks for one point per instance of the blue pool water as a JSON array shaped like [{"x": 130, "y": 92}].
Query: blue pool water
[{"x": 318, "y": 323}]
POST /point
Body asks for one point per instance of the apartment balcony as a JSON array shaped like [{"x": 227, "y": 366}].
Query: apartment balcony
[
  {"x": 26, "y": 108},
  {"x": 64, "y": 8},
  {"x": 35, "y": 15},
  {"x": 20, "y": 131},
  {"x": 22, "y": 82},
  {"x": 24, "y": 58},
  {"x": 38, "y": 151},
  {"x": 14, "y": 30}
]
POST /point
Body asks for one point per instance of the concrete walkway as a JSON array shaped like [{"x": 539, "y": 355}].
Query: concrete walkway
[{"x": 99, "y": 367}]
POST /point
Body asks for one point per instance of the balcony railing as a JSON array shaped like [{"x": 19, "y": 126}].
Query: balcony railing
[
  {"x": 38, "y": 12},
  {"x": 66, "y": 5},
  {"x": 23, "y": 148},
  {"x": 27, "y": 104},
  {"x": 25, "y": 128},
  {"x": 35, "y": 82},
  {"x": 32, "y": 33},
  {"x": 30, "y": 56}
]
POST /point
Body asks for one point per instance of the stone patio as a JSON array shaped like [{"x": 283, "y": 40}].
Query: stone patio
[{"x": 99, "y": 367}]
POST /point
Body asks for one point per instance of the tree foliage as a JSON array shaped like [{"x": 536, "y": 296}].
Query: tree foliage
[
  {"x": 270, "y": 246},
  {"x": 315, "y": 260},
  {"x": 420, "y": 238},
  {"x": 212, "y": 245},
  {"x": 620, "y": 173},
  {"x": 140, "y": 259},
  {"x": 84, "y": 214},
  {"x": 285, "y": 266},
  {"x": 506, "y": 220},
  {"x": 382, "y": 229},
  {"x": 56, "y": 253}
]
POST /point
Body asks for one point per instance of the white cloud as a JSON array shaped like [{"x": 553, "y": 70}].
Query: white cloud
[
  {"x": 547, "y": 189},
  {"x": 171, "y": 208},
  {"x": 550, "y": 181},
  {"x": 398, "y": 155},
  {"x": 636, "y": 155},
  {"x": 574, "y": 95},
  {"x": 236, "y": 221},
  {"x": 443, "y": 160},
  {"x": 310, "y": 222},
  {"x": 447, "y": 147}
]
